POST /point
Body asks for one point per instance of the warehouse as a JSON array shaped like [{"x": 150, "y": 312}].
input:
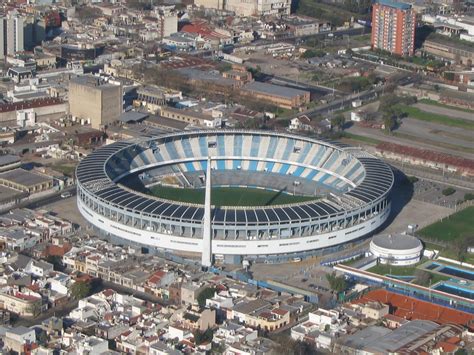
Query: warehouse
[
  {"x": 281, "y": 96},
  {"x": 27, "y": 181}
]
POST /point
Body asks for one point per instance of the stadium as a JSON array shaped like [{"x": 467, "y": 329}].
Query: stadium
[{"x": 234, "y": 194}]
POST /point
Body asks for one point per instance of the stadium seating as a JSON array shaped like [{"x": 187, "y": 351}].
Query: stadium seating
[{"x": 279, "y": 155}]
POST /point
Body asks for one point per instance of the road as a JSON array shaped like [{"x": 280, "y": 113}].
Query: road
[
  {"x": 48, "y": 199},
  {"x": 58, "y": 311},
  {"x": 342, "y": 103},
  {"x": 317, "y": 89}
]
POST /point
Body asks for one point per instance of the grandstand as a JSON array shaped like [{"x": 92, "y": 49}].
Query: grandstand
[{"x": 351, "y": 191}]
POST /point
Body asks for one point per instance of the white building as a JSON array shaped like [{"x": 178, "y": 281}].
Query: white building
[
  {"x": 465, "y": 23},
  {"x": 92, "y": 345},
  {"x": 11, "y": 34},
  {"x": 25, "y": 118},
  {"x": 167, "y": 21},
  {"x": 397, "y": 249},
  {"x": 17, "y": 338},
  {"x": 247, "y": 8}
]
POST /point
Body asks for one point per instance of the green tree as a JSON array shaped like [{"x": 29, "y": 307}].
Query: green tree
[
  {"x": 389, "y": 122},
  {"x": 461, "y": 244},
  {"x": 203, "y": 337},
  {"x": 422, "y": 277},
  {"x": 80, "y": 289},
  {"x": 469, "y": 196},
  {"x": 448, "y": 191},
  {"x": 205, "y": 294},
  {"x": 311, "y": 53},
  {"x": 337, "y": 283},
  {"x": 338, "y": 121},
  {"x": 43, "y": 337},
  {"x": 57, "y": 262},
  {"x": 288, "y": 346}
]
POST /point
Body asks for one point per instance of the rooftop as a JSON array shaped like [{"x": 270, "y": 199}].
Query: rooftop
[
  {"x": 412, "y": 308},
  {"x": 9, "y": 159},
  {"x": 276, "y": 90},
  {"x": 92, "y": 82},
  {"x": 396, "y": 241},
  {"x": 24, "y": 177},
  {"x": 394, "y": 4},
  {"x": 133, "y": 116}
]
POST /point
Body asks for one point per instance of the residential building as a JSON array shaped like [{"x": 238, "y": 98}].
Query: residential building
[
  {"x": 167, "y": 21},
  {"x": 20, "y": 339},
  {"x": 15, "y": 34},
  {"x": 393, "y": 27},
  {"x": 23, "y": 304},
  {"x": 19, "y": 33}
]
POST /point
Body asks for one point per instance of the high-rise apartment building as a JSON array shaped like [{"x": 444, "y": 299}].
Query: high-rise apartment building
[
  {"x": 15, "y": 34},
  {"x": 19, "y": 33},
  {"x": 167, "y": 21},
  {"x": 11, "y": 35},
  {"x": 393, "y": 27}
]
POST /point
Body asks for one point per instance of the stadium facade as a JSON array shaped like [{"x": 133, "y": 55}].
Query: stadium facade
[{"x": 351, "y": 189}]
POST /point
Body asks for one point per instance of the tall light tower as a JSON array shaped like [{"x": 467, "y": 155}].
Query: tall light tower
[{"x": 206, "y": 256}]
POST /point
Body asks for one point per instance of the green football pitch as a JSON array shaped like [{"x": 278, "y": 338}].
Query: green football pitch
[
  {"x": 228, "y": 196},
  {"x": 452, "y": 227}
]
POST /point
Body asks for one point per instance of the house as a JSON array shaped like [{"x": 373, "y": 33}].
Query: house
[
  {"x": 23, "y": 304},
  {"x": 20, "y": 340},
  {"x": 199, "y": 319},
  {"x": 304, "y": 123},
  {"x": 39, "y": 268},
  {"x": 190, "y": 292},
  {"x": 59, "y": 282}
]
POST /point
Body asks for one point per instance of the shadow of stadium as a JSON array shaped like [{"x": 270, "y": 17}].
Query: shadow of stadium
[
  {"x": 279, "y": 193},
  {"x": 401, "y": 194}
]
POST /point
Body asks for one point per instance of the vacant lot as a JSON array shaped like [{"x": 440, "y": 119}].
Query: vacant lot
[
  {"x": 443, "y": 109},
  {"x": 418, "y": 114}
]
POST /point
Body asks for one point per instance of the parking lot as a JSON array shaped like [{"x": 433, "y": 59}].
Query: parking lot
[{"x": 432, "y": 192}]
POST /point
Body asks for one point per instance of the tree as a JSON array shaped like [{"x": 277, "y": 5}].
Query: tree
[
  {"x": 468, "y": 196},
  {"x": 57, "y": 262},
  {"x": 42, "y": 337},
  {"x": 288, "y": 346},
  {"x": 205, "y": 294},
  {"x": 389, "y": 122},
  {"x": 311, "y": 53},
  {"x": 422, "y": 277},
  {"x": 80, "y": 290},
  {"x": 448, "y": 191},
  {"x": 203, "y": 337},
  {"x": 337, "y": 283},
  {"x": 338, "y": 121},
  {"x": 461, "y": 244}
]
